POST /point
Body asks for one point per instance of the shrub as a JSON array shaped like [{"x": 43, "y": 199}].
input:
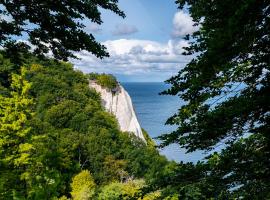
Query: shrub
[
  {"x": 118, "y": 190},
  {"x": 83, "y": 186}
]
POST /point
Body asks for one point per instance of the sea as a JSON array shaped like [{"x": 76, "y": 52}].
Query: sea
[{"x": 153, "y": 110}]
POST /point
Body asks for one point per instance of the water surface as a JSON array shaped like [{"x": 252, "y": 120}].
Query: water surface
[{"x": 153, "y": 110}]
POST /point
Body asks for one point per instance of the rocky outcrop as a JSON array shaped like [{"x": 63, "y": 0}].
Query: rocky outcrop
[{"x": 118, "y": 102}]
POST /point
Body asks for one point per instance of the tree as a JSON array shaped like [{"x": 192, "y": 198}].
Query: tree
[
  {"x": 6, "y": 66},
  {"x": 226, "y": 89},
  {"x": 83, "y": 186},
  {"x": 116, "y": 190},
  {"x": 114, "y": 169},
  {"x": 15, "y": 145},
  {"x": 54, "y": 25}
]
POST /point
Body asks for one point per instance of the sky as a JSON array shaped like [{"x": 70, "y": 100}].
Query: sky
[{"x": 145, "y": 46}]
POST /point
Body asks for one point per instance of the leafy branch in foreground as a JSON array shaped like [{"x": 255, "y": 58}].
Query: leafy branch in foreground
[
  {"x": 226, "y": 89},
  {"x": 57, "y": 26}
]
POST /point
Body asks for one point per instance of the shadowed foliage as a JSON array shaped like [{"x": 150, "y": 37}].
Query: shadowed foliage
[
  {"x": 56, "y": 26},
  {"x": 226, "y": 90}
]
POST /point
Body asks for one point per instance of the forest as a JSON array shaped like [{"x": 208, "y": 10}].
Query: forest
[
  {"x": 58, "y": 142},
  {"x": 55, "y": 129}
]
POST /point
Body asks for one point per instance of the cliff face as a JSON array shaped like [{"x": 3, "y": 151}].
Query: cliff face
[{"x": 118, "y": 102}]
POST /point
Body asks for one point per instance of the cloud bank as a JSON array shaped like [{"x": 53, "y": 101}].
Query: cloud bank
[
  {"x": 130, "y": 56},
  {"x": 142, "y": 58},
  {"x": 183, "y": 24}
]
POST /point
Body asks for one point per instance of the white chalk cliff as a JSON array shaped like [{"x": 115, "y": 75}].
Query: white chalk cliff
[{"x": 119, "y": 103}]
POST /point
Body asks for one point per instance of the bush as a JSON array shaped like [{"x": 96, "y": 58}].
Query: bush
[
  {"x": 118, "y": 190},
  {"x": 83, "y": 186}
]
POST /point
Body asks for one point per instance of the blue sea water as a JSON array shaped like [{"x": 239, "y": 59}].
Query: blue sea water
[{"x": 153, "y": 110}]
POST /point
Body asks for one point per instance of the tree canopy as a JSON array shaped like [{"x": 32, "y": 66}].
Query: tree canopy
[
  {"x": 54, "y": 132},
  {"x": 226, "y": 90},
  {"x": 56, "y": 139},
  {"x": 83, "y": 186},
  {"x": 56, "y": 26}
]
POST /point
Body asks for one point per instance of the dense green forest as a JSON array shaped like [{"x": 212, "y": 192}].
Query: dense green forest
[
  {"x": 54, "y": 129},
  {"x": 56, "y": 139}
]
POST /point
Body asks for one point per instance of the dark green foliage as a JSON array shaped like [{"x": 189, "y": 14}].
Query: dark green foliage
[
  {"x": 5, "y": 70},
  {"x": 226, "y": 89},
  {"x": 92, "y": 76},
  {"x": 54, "y": 25}
]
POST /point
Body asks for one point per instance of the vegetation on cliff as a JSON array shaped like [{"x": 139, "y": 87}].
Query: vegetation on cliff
[
  {"x": 53, "y": 127},
  {"x": 56, "y": 139},
  {"x": 104, "y": 80}
]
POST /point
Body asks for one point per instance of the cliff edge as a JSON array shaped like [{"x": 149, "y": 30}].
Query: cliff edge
[{"x": 118, "y": 102}]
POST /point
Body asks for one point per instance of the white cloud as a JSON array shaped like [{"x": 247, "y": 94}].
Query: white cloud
[
  {"x": 124, "y": 29},
  {"x": 140, "y": 58},
  {"x": 183, "y": 24},
  {"x": 130, "y": 56}
]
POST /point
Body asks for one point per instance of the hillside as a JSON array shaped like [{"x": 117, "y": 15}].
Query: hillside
[{"x": 65, "y": 131}]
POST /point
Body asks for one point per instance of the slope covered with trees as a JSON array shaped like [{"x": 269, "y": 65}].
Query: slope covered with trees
[
  {"x": 56, "y": 140},
  {"x": 53, "y": 126}
]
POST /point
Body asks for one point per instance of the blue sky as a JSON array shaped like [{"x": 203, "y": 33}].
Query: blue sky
[
  {"x": 152, "y": 18},
  {"x": 145, "y": 46}
]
